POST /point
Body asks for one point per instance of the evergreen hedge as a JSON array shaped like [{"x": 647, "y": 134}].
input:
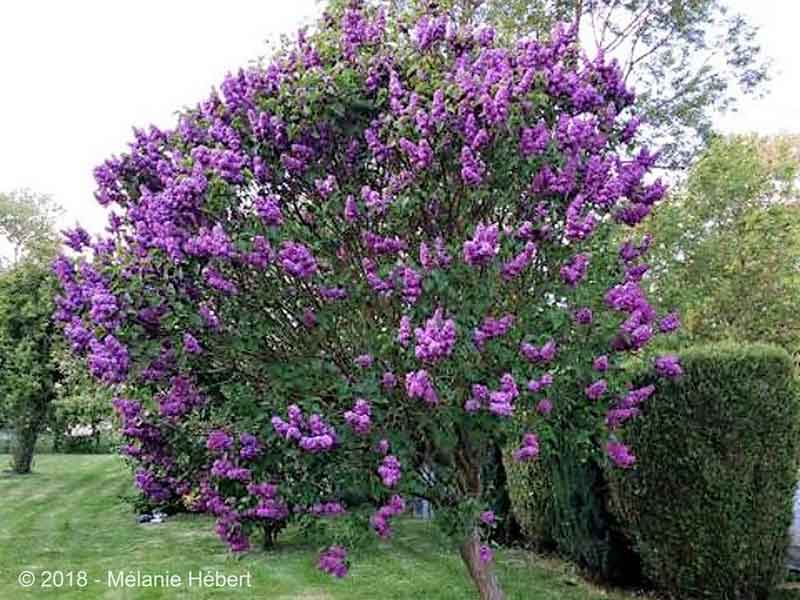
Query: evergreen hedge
[{"x": 709, "y": 503}]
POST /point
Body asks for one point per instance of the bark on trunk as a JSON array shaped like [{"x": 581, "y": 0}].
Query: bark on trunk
[
  {"x": 482, "y": 573},
  {"x": 22, "y": 453}
]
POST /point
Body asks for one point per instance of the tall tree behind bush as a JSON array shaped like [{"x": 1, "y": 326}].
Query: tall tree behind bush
[
  {"x": 715, "y": 523},
  {"x": 727, "y": 248},
  {"x": 688, "y": 60}
]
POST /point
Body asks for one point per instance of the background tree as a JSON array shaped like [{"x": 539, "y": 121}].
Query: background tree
[
  {"x": 687, "y": 59},
  {"x": 27, "y": 286},
  {"x": 727, "y": 249},
  {"x": 27, "y": 222},
  {"x": 27, "y": 371}
]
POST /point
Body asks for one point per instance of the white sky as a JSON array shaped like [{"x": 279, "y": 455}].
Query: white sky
[{"x": 76, "y": 76}]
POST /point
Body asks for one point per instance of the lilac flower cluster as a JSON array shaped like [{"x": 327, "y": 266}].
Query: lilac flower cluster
[
  {"x": 499, "y": 402},
  {"x": 333, "y": 561},
  {"x": 312, "y": 434},
  {"x": 529, "y": 448},
  {"x": 419, "y": 385},
  {"x": 542, "y": 355},
  {"x": 359, "y": 417},
  {"x": 628, "y": 406},
  {"x": 575, "y": 270},
  {"x": 620, "y": 454},
  {"x": 668, "y": 366},
  {"x": 390, "y": 471},
  {"x": 491, "y": 328},
  {"x": 380, "y": 521},
  {"x": 514, "y": 268},
  {"x": 269, "y": 503},
  {"x": 436, "y": 340},
  {"x": 327, "y": 509},
  {"x": 484, "y": 245},
  {"x": 297, "y": 260},
  {"x": 537, "y": 385}
]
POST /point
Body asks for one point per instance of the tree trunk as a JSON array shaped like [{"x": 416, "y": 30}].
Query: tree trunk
[
  {"x": 22, "y": 452},
  {"x": 482, "y": 573}
]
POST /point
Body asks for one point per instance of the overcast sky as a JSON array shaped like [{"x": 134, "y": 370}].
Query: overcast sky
[{"x": 76, "y": 76}]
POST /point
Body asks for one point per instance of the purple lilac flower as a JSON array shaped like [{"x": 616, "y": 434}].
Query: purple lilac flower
[
  {"x": 209, "y": 317},
  {"x": 190, "y": 344},
  {"x": 327, "y": 509},
  {"x": 534, "y": 140},
  {"x": 669, "y": 323},
  {"x": 600, "y": 364},
  {"x": 529, "y": 448},
  {"x": 544, "y": 407},
  {"x": 436, "y": 340},
  {"x": 76, "y": 238},
  {"x": 215, "y": 279},
  {"x": 388, "y": 381},
  {"x": 380, "y": 520},
  {"x": 620, "y": 454},
  {"x": 412, "y": 285},
  {"x": 488, "y": 517},
  {"x": 485, "y": 554},
  {"x": 668, "y": 366},
  {"x": 359, "y": 417},
  {"x": 390, "y": 471},
  {"x": 501, "y": 402},
  {"x": 537, "y": 385},
  {"x": 519, "y": 263},
  {"x": 575, "y": 269},
  {"x": 250, "y": 447},
  {"x": 541, "y": 355},
  {"x": 484, "y": 245},
  {"x": 213, "y": 242},
  {"x": 108, "y": 360},
  {"x": 364, "y": 361},
  {"x": 419, "y": 385},
  {"x": 326, "y": 187},
  {"x": 479, "y": 397},
  {"x": 297, "y": 260},
  {"x": 491, "y": 328},
  {"x": 333, "y": 561},
  {"x": 596, "y": 390},
  {"x": 350, "y": 209},
  {"x": 269, "y": 209},
  {"x": 583, "y": 316},
  {"x": 382, "y": 447},
  {"x": 404, "y": 331}
]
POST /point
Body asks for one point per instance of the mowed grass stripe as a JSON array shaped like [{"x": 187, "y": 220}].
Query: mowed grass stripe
[{"x": 69, "y": 516}]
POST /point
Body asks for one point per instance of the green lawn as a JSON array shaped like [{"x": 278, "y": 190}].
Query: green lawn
[{"x": 68, "y": 517}]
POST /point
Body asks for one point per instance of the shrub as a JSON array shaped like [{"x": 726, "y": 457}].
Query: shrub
[
  {"x": 349, "y": 269},
  {"x": 709, "y": 503},
  {"x": 530, "y": 489}
]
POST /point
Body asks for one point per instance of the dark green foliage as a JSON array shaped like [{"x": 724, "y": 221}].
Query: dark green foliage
[
  {"x": 708, "y": 504},
  {"x": 560, "y": 503}
]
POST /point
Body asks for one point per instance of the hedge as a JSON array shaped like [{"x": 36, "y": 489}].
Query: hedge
[{"x": 709, "y": 502}]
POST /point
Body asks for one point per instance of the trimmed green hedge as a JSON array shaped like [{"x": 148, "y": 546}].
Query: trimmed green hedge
[{"x": 709, "y": 502}]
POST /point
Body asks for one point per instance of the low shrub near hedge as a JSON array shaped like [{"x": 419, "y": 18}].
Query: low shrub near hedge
[
  {"x": 530, "y": 490},
  {"x": 709, "y": 502}
]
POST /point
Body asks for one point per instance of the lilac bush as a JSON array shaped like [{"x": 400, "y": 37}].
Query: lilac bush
[{"x": 361, "y": 267}]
